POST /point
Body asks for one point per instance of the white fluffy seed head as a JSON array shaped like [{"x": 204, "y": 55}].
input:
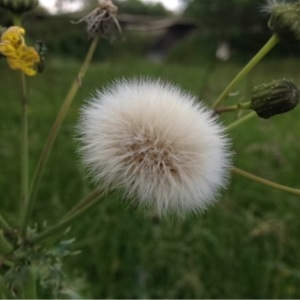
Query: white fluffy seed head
[{"x": 157, "y": 142}]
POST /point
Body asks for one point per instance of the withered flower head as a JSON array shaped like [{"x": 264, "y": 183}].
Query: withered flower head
[
  {"x": 101, "y": 20},
  {"x": 19, "y": 56},
  {"x": 274, "y": 98}
]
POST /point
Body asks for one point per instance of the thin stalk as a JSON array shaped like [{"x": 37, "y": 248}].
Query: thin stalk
[
  {"x": 264, "y": 181},
  {"x": 4, "y": 291},
  {"x": 29, "y": 285},
  {"x": 55, "y": 129},
  {"x": 94, "y": 199},
  {"x": 231, "y": 108},
  {"x": 24, "y": 150},
  {"x": 3, "y": 224},
  {"x": 17, "y": 19},
  {"x": 250, "y": 65},
  {"x": 84, "y": 202},
  {"x": 6, "y": 262},
  {"x": 240, "y": 121},
  {"x": 5, "y": 245}
]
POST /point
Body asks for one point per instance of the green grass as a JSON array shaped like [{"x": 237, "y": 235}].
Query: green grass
[{"x": 246, "y": 246}]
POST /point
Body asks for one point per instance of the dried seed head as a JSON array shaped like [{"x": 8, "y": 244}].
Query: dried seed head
[
  {"x": 274, "y": 98},
  {"x": 285, "y": 21},
  {"x": 19, "y": 6},
  {"x": 160, "y": 144},
  {"x": 101, "y": 20}
]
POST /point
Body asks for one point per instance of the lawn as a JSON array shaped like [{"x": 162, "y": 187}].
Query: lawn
[{"x": 246, "y": 246}]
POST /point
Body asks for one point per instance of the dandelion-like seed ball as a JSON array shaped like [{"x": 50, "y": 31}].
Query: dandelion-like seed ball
[{"x": 157, "y": 142}]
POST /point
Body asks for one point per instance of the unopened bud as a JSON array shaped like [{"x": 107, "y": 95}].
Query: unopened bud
[
  {"x": 19, "y": 6},
  {"x": 285, "y": 21},
  {"x": 274, "y": 98}
]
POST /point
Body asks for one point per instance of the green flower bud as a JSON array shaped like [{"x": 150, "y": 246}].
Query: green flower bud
[
  {"x": 285, "y": 21},
  {"x": 19, "y": 6},
  {"x": 274, "y": 98}
]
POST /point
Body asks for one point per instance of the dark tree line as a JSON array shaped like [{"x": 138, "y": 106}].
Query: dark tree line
[{"x": 227, "y": 18}]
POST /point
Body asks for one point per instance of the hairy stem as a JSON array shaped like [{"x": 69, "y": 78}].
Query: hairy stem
[
  {"x": 264, "y": 181},
  {"x": 250, "y": 65},
  {"x": 55, "y": 129}
]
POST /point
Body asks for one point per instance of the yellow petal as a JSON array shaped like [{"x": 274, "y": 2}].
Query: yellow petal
[
  {"x": 7, "y": 49},
  {"x": 17, "y": 64},
  {"x": 29, "y": 54},
  {"x": 14, "y": 35}
]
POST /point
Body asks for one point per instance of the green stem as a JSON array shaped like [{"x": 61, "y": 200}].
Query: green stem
[
  {"x": 5, "y": 246},
  {"x": 17, "y": 19},
  {"x": 94, "y": 199},
  {"x": 24, "y": 150},
  {"x": 240, "y": 121},
  {"x": 84, "y": 202},
  {"x": 3, "y": 224},
  {"x": 55, "y": 129},
  {"x": 7, "y": 262},
  {"x": 252, "y": 63},
  {"x": 236, "y": 107},
  {"x": 4, "y": 291},
  {"x": 29, "y": 285},
  {"x": 264, "y": 181}
]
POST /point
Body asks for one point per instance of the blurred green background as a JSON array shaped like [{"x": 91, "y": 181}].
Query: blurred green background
[{"x": 247, "y": 245}]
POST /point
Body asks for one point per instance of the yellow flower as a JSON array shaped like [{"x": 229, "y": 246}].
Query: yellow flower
[{"x": 19, "y": 56}]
